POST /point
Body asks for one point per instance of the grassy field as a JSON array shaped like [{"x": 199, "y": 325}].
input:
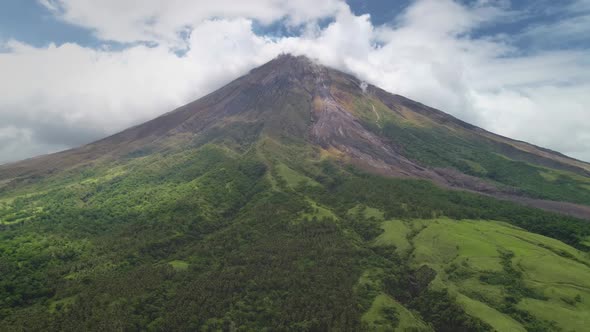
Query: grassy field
[
  {"x": 496, "y": 319},
  {"x": 317, "y": 211},
  {"x": 250, "y": 223},
  {"x": 179, "y": 265},
  {"x": 405, "y": 319},
  {"x": 293, "y": 178},
  {"x": 174, "y": 233},
  {"x": 395, "y": 233},
  {"x": 487, "y": 265},
  {"x": 367, "y": 212}
]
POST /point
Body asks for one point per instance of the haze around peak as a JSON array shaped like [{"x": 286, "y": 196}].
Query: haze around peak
[{"x": 482, "y": 61}]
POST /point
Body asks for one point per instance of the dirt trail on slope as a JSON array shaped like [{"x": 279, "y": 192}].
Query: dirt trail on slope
[{"x": 376, "y": 113}]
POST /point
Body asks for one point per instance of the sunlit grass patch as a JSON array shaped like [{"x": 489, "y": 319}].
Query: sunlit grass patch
[
  {"x": 395, "y": 232},
  {"x": 317, "y": 211},
  {"x": 468, "y": 256},
  {"x": 179, "y": 265},
  {"x": 294, "y": 178},
  {"x": 60, "y": 305},
  {"x": 498, "y": 320},
  {"x": 367, "y": 212},
  {"x": 386, "y": 314}
]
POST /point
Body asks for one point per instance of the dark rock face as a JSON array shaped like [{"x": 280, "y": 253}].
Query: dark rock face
[{"x": 295, "y": 98}]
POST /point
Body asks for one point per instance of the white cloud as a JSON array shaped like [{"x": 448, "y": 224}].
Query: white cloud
[
  {"x": 12, "y": 141},
  {"x": 90, "y": 93},
  {"x": 67, "y": 95},
  {"x": 162, "y": 20}
]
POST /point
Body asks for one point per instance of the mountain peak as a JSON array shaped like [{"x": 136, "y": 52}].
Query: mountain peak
[
  {"x": 289, "y": 61},
  {"x": 286, "y": 67},
  {"x": 294, "y": 99},
  {"x": 256, "y": 203}
]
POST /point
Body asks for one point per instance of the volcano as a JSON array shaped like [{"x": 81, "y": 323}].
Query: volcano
[
  {"x": 297, "y": 198},
  {"x": 294, "y": 99}
]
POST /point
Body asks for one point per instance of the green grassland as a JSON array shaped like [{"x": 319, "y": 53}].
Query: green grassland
[
  {"x": 317, "y": 212},
  {"x": 395, "y": 232},
  {"x": 292, "y": 178},
  {"x": 179, "y": 265},
  {"x": 380, "y": 318},
  {"x": 260, "y": 237},
  {"x": 246, "y": 226},
  {"x": 366, "y": 212},
  {"x": 543, "y": 286}
]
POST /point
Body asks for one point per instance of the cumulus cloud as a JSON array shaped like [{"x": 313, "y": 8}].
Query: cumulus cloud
[
  {"x": 166, "y": 20},
  {"x": 18, "y": 143},
  {"x": 66, "y": 95}
]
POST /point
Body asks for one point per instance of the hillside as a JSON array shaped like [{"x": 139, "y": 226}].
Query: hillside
[
  {"x": 293, "y": 100},
  {"x": 297, "y": 198}
]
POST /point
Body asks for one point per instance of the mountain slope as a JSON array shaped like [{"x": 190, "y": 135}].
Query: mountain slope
[
  {"x": 294, "y": 98},
  {"x": 295, "y": 198}
]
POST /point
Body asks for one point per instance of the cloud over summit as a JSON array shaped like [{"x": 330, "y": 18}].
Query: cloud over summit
[{"x": 173, "y": 52}]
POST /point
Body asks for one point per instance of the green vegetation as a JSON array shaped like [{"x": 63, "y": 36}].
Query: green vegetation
[
  {"x": 396, "y": 233},
  {"x": 292, "y": 178},
  {"x": 317, "y": 212},
  {"x": 386, "y": 314},
  {"x": 237, "y": 217},
  {"x": 443, "y": 147},
  {"x": 179, "y": 232},
  {"x": 508, "y": 278},
  {"x": 179, "y": 265},
  {"x": 254, "y": 237},
  {"x": 366, "y": 212}
]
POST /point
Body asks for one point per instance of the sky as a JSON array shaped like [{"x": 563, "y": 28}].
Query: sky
[{"x": 74, "y": 71}]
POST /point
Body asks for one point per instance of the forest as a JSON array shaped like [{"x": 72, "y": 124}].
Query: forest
[{"x": 209, "y": 239}]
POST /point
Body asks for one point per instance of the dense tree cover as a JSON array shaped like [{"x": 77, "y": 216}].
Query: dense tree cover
[
  {"x": 209, "y": 239},
  {"x": 442, "y": 147},
  {"x": 99, "y": 252},
  {"x": 410, "y": 287},
  {"x": 421, "y": 199}
]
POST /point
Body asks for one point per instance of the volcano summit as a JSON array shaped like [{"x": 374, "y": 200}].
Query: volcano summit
[{"x": 297, "y": 198}]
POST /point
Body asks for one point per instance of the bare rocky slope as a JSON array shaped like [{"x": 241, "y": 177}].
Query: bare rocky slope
[
  {"x": 295, "y": 98},
  {"x": 296, "y": 198}
]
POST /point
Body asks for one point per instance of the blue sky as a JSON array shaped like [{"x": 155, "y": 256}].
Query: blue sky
[
  {"x": 31, "y": 22},
  {"x": 77, "y": 70}
]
